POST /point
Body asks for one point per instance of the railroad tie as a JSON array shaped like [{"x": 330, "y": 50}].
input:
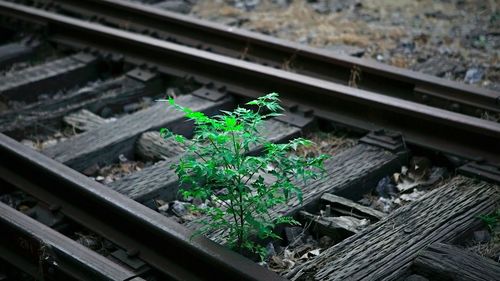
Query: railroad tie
[
  {"x": 103, "y": 145},
  {"x": 386, "y": 250},
  {"x": 350, "y": 173},
  {"x": 97, "y": 98},
  {"x": 50, "y": 77},
  {"x": 160, "y": 180},
  {"x": 447, "y": 262},
  {"x": 17, "y": 52}
]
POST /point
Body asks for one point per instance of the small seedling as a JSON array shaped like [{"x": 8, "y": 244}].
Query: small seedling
[
  {"x": 217, "y": 167},
  {"x": 491, "y": 220}
]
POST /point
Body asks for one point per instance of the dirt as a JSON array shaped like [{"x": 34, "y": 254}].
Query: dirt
[
  {"x": 454, "y": 39},
  {"x": 116, "y": 171},
  {"x": 329, "y": 143},
  {"x": 40, "y": 142}
]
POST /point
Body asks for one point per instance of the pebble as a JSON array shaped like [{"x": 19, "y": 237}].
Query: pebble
[
  {"x": 347, "y": 50},
  {"x": 122, "y": 158},
  {"x": 247, "y": 5},
  {"x": 179, "y": 208},
  {"x": 29, "y": 143},
  {"x": 482, "y": 236},
  {"x": 473, "y": 75},
  {"x": 385, "y": 188},
  {"x": 385, "y": 204},
  {"x": 178, "y": 6},
  {"x": 270, "y": 249},
  {"x": 412, "y": 196},
  {"x": 89, "y": 242},
  {"x": 407, "y": 45},
  {"x": 49, "y": 143}
]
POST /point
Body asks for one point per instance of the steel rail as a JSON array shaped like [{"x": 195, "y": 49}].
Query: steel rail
[
  {"x": 323, "y": 64},
  {"x": 422, "y": 125},
  {"x": 142, "y": 232},
  {"x": 47, "y": 254}
]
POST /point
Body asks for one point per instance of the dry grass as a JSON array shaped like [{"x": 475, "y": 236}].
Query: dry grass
[{"x": 327, "y": 143}]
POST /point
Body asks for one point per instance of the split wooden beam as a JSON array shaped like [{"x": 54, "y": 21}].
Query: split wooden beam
[
  {"x": 450, "y": 263},
  {"x": 41, "y": 116},
  {"x": 17, "y": 52},
  {"x": 386, "y": 250},
  {"x": 103, "y": 145},
  {"x": 350, "y": 173},
  {"x": 84, "y": 120},
  {"x": 151, "y": 146},
  {"x": 160, "y": 181},
  {"x": 48, "y": 78},
  {"x": 348, "y": 207}
]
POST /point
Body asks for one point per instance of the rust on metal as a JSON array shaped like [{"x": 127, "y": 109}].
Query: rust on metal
[
  {"x": 160, "y": 242},
  {"x": 422, "y": 125},
  {"x": 34, "y": 248},
  {"x": 377, "y": 77}
]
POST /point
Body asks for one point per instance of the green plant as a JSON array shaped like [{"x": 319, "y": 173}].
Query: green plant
[
  {"x": 491, "y": 220},
  {"x": 217, "y": 166}
]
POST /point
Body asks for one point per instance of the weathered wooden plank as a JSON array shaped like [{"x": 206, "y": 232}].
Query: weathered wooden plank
[
  {"x": 103, "y": 145},
  {"x": 16, "y": 52},
  {"x": 335, "y": 227},
  {"x": 446, "y": 262},
  {"x": 49, "y": 77},
  {"x": 385, "y": 250},
  {"x": 152, "y": 146},
  {"x": 96, "y": 98},
  {"x": 84, "y": 120},
  {"x": 350, "y": 173},
  {"x": 160, "y": 181},
  {"x": 341, "y": 203}
]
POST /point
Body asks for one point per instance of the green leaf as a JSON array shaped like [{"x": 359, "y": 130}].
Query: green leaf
[{"x": 216, "y": 167}]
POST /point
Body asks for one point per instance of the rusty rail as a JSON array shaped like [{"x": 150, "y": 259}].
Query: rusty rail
[
  {"x": 422, "y": 125},
  {"x": 297, "y": 58},
  {"x": 146, "y": 234},
  {"x": 48, "y": 255}
]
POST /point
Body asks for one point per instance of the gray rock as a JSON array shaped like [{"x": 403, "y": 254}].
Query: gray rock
[
  {"x": 474, "y": 75},
  {"x": 122, "y": 158},
  {"x": 347, "y": 50},
  {"x": 282, "y": 3},
  {"x": 437, "y": 66},
  {"x": 246, "y": 5},
  {"x": 385, "y": 188},
  {"x": 179, "y": 208},
  {"x": 482, "y": 236},
  {"x": 270, "y": 249},
  {"x": 407, "y": 45},
  {"x": 178, "y": 6},
  {"x": 334, "y": 6}
]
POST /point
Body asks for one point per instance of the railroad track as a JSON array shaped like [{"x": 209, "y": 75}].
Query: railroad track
[
  {"x": 297, "y": 58},
  {"x": 119, "y": 122}
]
